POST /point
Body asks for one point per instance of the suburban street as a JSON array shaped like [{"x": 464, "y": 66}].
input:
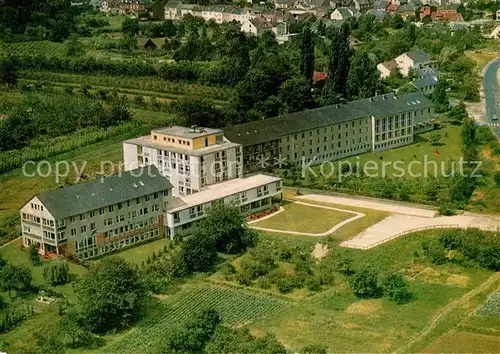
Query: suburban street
[{"x": 492, "y": 96}]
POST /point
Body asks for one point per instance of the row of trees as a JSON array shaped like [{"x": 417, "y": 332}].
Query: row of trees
[{"x": 34, "y": 116}]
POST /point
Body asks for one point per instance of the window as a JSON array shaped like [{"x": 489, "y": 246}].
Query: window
[
  {"x": 155, "y": 196},
  {"x": 120, "y": 206},
  {"x": 92, "y": 226},
  {"x": 82, "y": 217},
  {"x": 83, "y": 228},
  {"x": 73, "y": 232},
  {"x": 72, "y": 219},
  {"x": 93, "y": 213},
  {"x": 110, "y": 208}
]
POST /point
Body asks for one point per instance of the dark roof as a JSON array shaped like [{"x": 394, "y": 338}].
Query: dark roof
[
  {"x": 424, "y": 82},
  {"x": 391, "y": 65},
  {"x": 274, "y": 128},
  {"x": 419, "y": 56},
  {"x": 103, "y": 191},
  {"x": 426, "y": 71}
]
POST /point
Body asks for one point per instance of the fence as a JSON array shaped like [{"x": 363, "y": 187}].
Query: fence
[{"x": 453, "y": 226}]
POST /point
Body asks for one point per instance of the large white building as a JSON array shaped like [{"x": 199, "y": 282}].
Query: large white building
[{"x": 190, "y": 158}]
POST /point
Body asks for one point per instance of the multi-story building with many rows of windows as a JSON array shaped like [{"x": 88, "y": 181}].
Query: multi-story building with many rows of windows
[{"x": 333, "y": 132}]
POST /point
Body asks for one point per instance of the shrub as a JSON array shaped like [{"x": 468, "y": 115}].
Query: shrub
[
  {"x": 447, "y": 209},
  {"x": 344, "y": 266},
  {"x": 434, "y": 251},
  {"x": 497, "y": 179},
  {"x": 286, "y": 285},
  {"x": 243, "y": 278},
  {"x": 264, "y": 283},
  {"x": 227, "y": 270},
  {"x": 33, "y": 255},
  {"x": 396, "y": 288},
  {"x": 56, "y": 273},
  {"x": 365, "y": 283},
  {"x": 314, "y": 283},
  {"x": 313, "y": 349}
]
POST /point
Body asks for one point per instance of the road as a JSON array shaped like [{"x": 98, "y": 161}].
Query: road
[{"x": 492, "y": 96}]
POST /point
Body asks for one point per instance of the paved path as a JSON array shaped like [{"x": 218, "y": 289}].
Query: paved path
[
  {"x": 404, "y": 220},
  {"x": 372, "y": 203},
  {"x": 398, "y": 224},
  {"x": 491, "y": 89},
  {"x": 326, "y": 233}
]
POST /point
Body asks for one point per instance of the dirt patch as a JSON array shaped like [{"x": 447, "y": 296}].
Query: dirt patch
[
  {"x": 434, "y": 276},
  {"x": 320, "y": 251},
  {"x": 364, "y": 307},
  {"x": 350, "y": 325},
  {"x": 414, "y": 269}
]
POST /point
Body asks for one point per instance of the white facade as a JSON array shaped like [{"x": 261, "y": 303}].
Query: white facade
[
  {"x": 383, "y": 70},
  {"x": 406, "y": 63},
  {"x": 250, "y": 194},
  {"x": 37, "y": 223},
  {"x": 249, "y": 27}
]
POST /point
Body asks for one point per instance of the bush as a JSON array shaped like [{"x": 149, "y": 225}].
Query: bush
[
  {"x": 33, "y": 255},
  {"x": 244, "y": 278},
  {"x": 434, "y": 251},
  {"x": 497, "y": 178},
  {"x": 264, "y": 283},
  {"x": 447, "y": 209},
  {"x": 286, "y": 285},
  {"x": 344, "y": 266},
  {"x": 56, "y": 273},
  {"x": 396, "y": 288},
  {"x": 365, "y": 283},
  {"x": 314, "y": 283},
  {"x": 227, "y": 270}
]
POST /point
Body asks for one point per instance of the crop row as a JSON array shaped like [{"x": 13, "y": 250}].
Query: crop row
[
  {"x": 235, "y": 306},
  {"x": 150, "y": 85},
  {"x": 491, "y": 307},
  {"x": 32, "y": 48}
]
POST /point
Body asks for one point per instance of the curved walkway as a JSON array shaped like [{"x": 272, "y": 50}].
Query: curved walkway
[
  {"x": 405, "y": 219},
  {"x": 326, "y": 233}
]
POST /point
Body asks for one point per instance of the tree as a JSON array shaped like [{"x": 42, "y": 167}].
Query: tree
[
  {"x": 111, "y": 295},
  {"x": 497, "y": 178},
  {"x": 364, "y": 283},
  {"x": 168, "y": 28},
  {"x": 439, "y": 96},
  {"x": 396, "y": 288},
  {"x": 73, "y": 326},
  {"x": 15, "y": 278},
  {"x": 363, "y": 79},
  {"x": 198, "y": 112},
  {"x": 397, "y": 21},
  {"x": 56, "y": 273},
  {"x": 33, "y": 255},
  {"x": 306, "y": 59},
  {"x": 295, "y": 95},
  {"x": 9, "y": 72},
  {"x": 434, "y": 138},
  {"x": 411, "y": 33},
  {"x": 130, "y": 27},
  {"x": 192, "y": 337},
  {"x": 338, "y": 66},
  {"x": 240, "y": 340}
]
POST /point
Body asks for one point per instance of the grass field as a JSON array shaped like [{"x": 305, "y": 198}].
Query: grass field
[
  {"x": 33, "y": 48},
  {"x": 303, "y": 218},
  {"x": 236, "y": 307},
  {"x": 350, "y": 229},
  {"x": 374, "y": 325},
  {"x": 464, "y": 342},
  {"x": 422, "y": 150},
  {"x": 140, "y": 253}
]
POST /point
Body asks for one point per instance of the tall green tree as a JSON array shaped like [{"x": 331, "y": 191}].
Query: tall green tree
[
  {"x": 439, "y": 96},
  {"x": 8, "y": 72},
  {"x": 306, "y": 60},
  {"x": 130, "y": 26},
  {"x": 295, "y": 95},
  {"x": 338, "y": 67},
  {"x": 111, "y": 295},
  {"x": 364, "y": 78}
]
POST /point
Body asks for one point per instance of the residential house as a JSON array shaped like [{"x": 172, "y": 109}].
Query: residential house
[
  {"x": 171, "y": 10},
  {"x": 240, "y": 15},
  {"x": 426, "y": 84},
  {"x": 362, "y": 5},
  {"x": 407, "y": 11},
  {"x": 392, "y": 9},
  {"x": 412, "y": 60},
  {"x": 284, "y": 4},
  {"x": 333, "y": 132},
  {"x": 214, "y": 12},
  {"x": 449, "y": 13},
  {"x": 387, "y": 68},
  {"x": 151, "y": 43},
  {"x": 380, "y": 5},
  {"x": 380, "y": 15},
  {"x": 343, "y": 13},
  {"x": 134, "y": 7}
]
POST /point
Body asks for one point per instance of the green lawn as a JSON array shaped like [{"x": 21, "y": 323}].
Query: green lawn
[
  {"x": 419, "y": 152},
  {"x": 140, "y": 253},
  {"x": 303, "y": 218},
  {"x": 351, "y": 229}
]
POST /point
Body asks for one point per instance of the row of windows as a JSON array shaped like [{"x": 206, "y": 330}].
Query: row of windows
[
  {"x": 35, "y": 206},
  {"x": 325, "y": 130},
  {"x": 393, "y": 143},
  {"x": 172, "y": 140},
  {"x": 333, "y": 154}
]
